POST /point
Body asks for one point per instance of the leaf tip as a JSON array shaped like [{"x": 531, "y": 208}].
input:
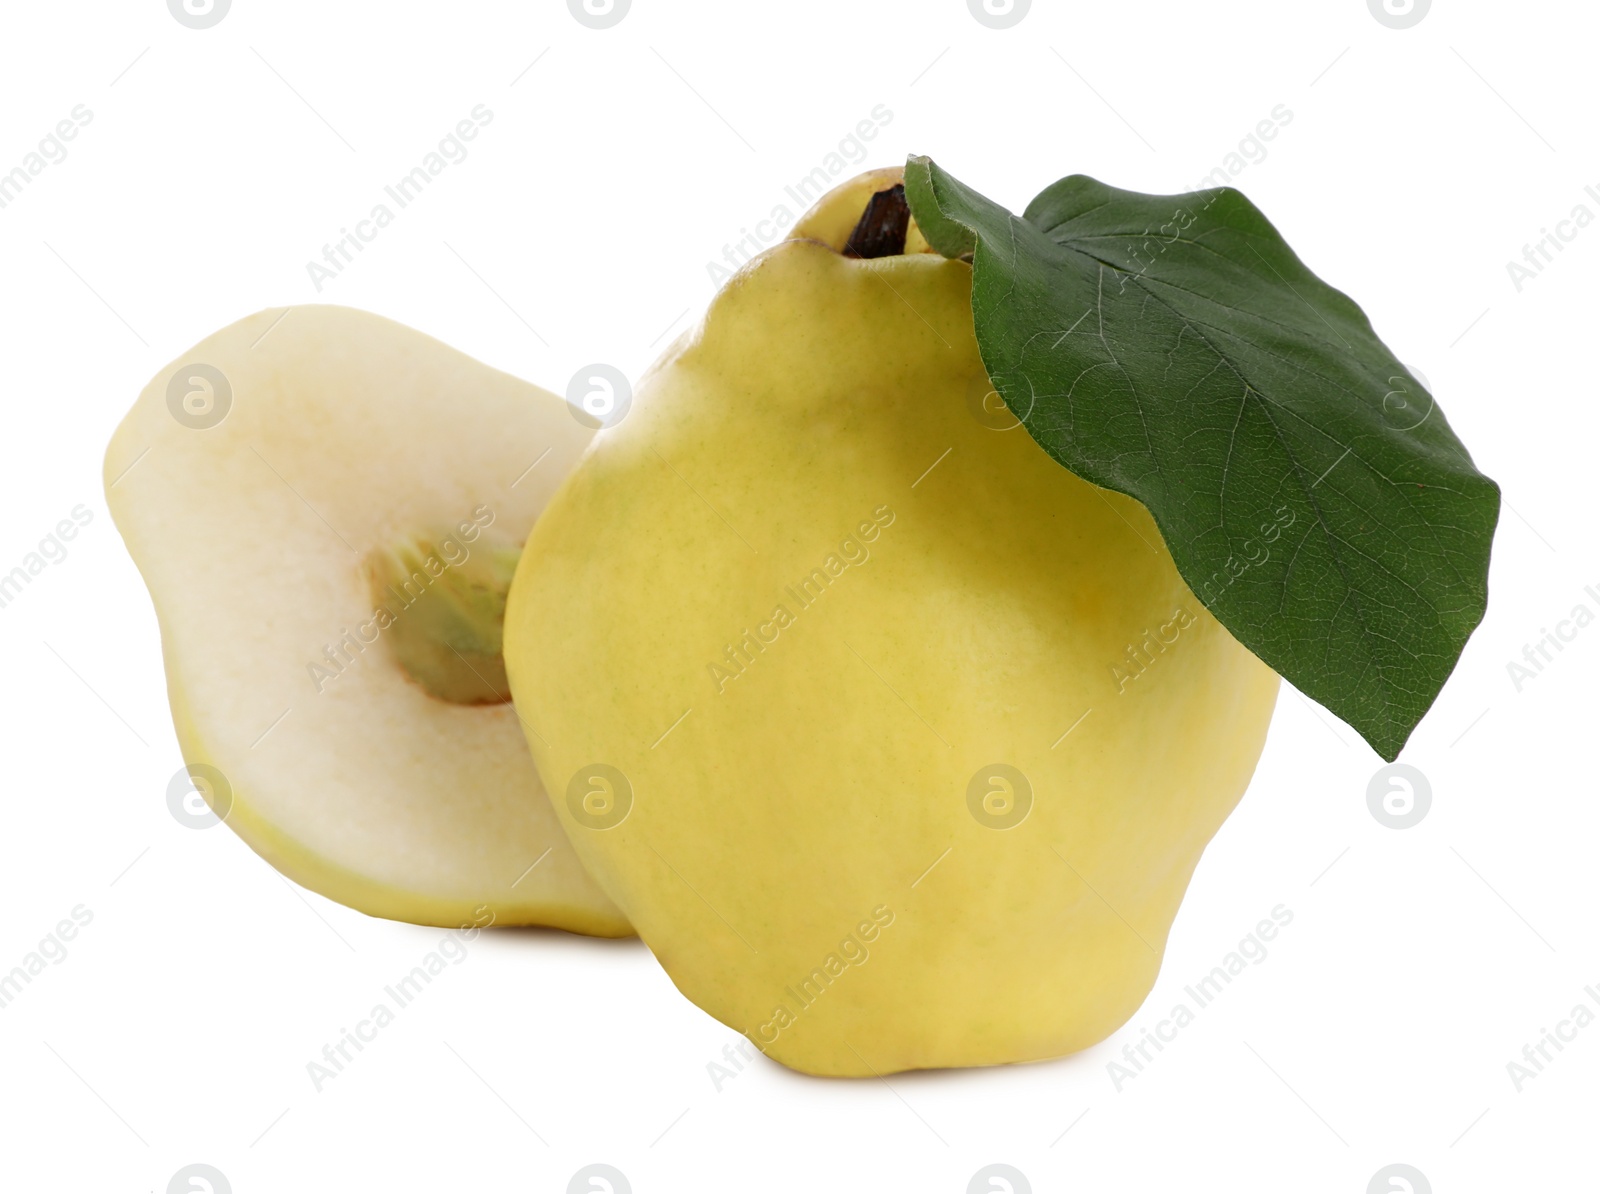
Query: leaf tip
[{"x": 948, "y": 236}]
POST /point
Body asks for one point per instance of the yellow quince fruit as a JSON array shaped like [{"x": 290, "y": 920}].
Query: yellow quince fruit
[
  {"x": 327, "y": 508},
  {"x": 897, "y": 742}
]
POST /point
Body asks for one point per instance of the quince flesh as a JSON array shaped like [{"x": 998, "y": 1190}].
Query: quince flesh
[{"x": 329, "y": 564}]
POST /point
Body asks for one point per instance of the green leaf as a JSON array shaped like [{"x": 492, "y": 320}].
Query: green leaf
[{"x": 1174, "y": 348}]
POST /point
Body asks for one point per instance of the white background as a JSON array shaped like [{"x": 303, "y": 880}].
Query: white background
[{"x": 219, "y": 162}]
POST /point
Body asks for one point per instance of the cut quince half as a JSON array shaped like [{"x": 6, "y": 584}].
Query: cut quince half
[{"x": 327, "y": 508}]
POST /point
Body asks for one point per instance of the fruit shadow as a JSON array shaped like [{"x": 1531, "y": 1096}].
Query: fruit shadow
[
  {"x": 544, "y": 937},
  {"x": 933, "y": 1078}
]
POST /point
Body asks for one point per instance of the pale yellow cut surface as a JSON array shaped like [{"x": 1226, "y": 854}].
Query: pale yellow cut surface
[{"x": 346, "y": 435}]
